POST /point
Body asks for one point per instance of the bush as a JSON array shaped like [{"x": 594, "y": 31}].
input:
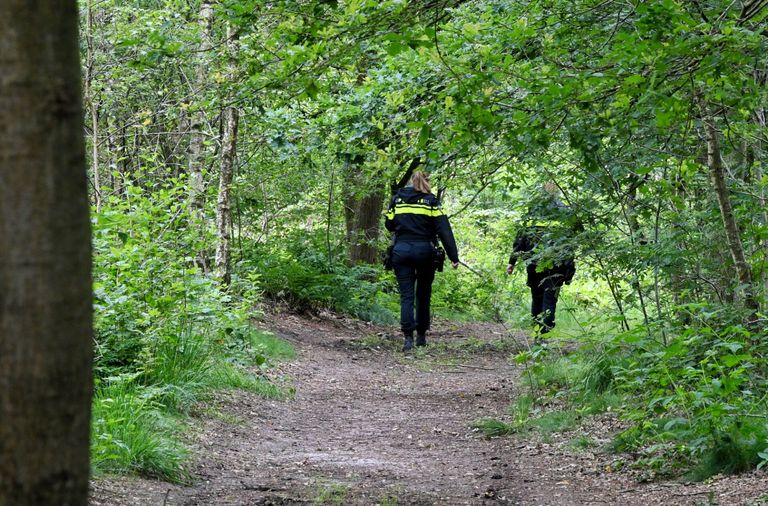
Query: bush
[
  {"x": 298, "y": 273},
  {"x": 165, "y": 334}
]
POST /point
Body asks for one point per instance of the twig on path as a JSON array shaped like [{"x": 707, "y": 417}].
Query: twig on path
[
  {"x": 455, "y": 372},
  {"x": 688, "y": 494},
  {"x": 476, "y": 367}
]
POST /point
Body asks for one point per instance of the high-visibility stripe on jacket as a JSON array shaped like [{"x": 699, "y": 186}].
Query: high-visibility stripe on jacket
[
  {"x": 403, "y": 208},
  {"x": 413, "y": 215}
]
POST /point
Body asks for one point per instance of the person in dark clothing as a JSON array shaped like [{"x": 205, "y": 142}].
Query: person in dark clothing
[
  {"x": 549, "y": 263},
  {"x": 415, "y": 218}
]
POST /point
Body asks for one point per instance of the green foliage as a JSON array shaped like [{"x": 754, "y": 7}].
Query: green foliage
[
  {"x": 521, "y": 409},
  {"x": 165, "y": 334},
  {"x": 693, "y": 401},
  {"x": 597, "y": 374},
  {"x": 704, "y": 383},
  {"x": 331, "y": 494},
  {"x": 735, "y": 451},
  {"x": 388, "y": 501},
  {"x": 300, "y": 274},
  {"x": 555, "y": 421},
  {"x": 583, "y": 442},
  {"x": 608, "y": 100},
  {"x": 130, "y": 433},
  {"x": 494, "y": 428}
]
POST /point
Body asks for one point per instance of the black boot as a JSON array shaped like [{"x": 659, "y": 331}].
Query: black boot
[
  {"x": 408, "y": 343},
  {"x": 421, "y": 339}
]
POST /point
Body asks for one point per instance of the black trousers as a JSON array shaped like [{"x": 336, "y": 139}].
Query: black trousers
[
  {"x": 413, "y": 263},
  {"x": 545, "y": 289}
]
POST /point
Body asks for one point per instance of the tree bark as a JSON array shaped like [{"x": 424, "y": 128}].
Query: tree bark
[
  {"x": 733, "y": 237},
  {"x": 362, "y": 214},
  {"x": 365, "y": 228},
  {"x": 90, "y": 98},
  {"x": 224, "y": 207},
  {"x": 45, "y": 284},
  {"x": 197, "y": 118},
  {"x": 195, "y": 158},
  {"x": 759, "y": 153},
  {"x": 230, "y": 118}
]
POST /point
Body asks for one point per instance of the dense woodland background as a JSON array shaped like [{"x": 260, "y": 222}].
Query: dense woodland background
[{"x": 244, "y": 150}]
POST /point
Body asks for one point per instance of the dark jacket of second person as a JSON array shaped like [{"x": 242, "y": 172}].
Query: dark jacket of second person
[
  {"x": 527, "y": 240},
  {"x": 416, "y": 216}
]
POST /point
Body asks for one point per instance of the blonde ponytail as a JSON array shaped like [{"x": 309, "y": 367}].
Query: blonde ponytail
[{"x": 420, "y": 182}]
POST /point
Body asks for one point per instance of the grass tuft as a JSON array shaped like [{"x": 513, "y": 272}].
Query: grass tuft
[
  {"x": 556, "y": 421},
  {"x": 733, "y": 452},
  {"x": 130, "y": 433},
  {"x": 494, "y": 428}
]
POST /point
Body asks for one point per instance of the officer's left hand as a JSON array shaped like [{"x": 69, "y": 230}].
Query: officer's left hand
[{"x": 455, "y": 265}]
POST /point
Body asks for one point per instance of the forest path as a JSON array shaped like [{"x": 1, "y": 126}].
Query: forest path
[{"x": 369, "y": 425}]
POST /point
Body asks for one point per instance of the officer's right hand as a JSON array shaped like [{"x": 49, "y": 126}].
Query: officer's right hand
[
  {"x": 455, "y": 265},
  {"x": 509, "y": 268}
]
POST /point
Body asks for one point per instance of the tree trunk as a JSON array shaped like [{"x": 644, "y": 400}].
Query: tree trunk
[
  {"x": 230, "y": 118},
  {"x": 90, "y": 98},
  {"x": 733, "y": 237},
  {"x": 365, "y": 229},
  {"x": 45, "y": 284},
  {"x": 224, "y": 207},
  {"x": 197, "y": 123},
  {"x": 362, "y": 214},
  {"x": 760, "y": 120},
  {"x": 197, "y": 118}
]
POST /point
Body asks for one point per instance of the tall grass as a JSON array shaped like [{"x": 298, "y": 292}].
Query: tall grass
[
  {"x": 136, "y": 417},
  {"x": 132, "y": 433}
]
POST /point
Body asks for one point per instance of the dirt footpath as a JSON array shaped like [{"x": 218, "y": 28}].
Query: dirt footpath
[{"x": 368, "y": 426}]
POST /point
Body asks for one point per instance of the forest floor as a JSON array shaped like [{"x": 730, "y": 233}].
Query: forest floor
[{"x": 368, "y": 425}]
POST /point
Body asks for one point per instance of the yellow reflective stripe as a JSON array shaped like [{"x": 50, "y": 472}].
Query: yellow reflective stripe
[
  {"x": 390, "y": 214},
  {"x": 417, "y": 209},
  {"x": 551, "y": 223}
]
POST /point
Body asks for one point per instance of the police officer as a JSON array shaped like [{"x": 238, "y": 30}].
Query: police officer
[
  {"x": 415, "y": 217},
  {"x": 549, "y": 262}
]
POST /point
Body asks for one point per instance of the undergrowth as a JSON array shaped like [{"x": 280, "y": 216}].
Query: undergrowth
[
  {"x": 166, "y": 336},
  {"x": 694, "y": 397}
]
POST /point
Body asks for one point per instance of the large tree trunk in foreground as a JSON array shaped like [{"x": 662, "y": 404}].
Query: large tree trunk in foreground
[{"x": 45, "y": 285}]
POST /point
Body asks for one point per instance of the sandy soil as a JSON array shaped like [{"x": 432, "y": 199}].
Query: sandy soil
[{"x": 369, "y": 425}]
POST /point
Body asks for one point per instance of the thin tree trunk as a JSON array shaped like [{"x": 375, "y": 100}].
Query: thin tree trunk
[
  {"x": 45, "y": 284},
  {"x": 329, "y": 219},
  {"x": 733, "y": 237},
  {"x": 90, "y": 98},
  {"x": 230, "y": 119},
  {"x": 197, "y": 117},
  {"x": 760, "y": 119},
  {"x": 224, "y": 207},
  {"x": 115, "y": 157}
]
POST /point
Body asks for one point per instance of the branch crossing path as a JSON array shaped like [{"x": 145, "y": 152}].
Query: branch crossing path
[{"x": 368, "y": 425}]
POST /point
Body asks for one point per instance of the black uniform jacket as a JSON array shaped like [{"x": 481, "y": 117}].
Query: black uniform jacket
[
  {"x": 527, "y": 239},
  {"x": 416, "y": 216}
]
